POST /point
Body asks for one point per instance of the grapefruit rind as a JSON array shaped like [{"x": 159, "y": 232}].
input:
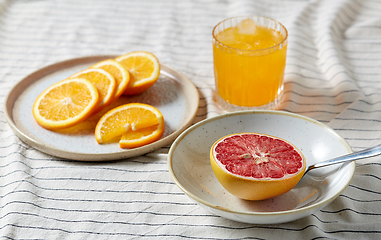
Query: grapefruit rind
[{"x": 250, "y": 188}]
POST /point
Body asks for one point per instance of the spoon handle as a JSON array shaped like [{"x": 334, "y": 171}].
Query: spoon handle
[{"x": 366, "y": 153}]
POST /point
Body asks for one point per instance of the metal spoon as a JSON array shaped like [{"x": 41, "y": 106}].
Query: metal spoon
[{"x": 366, "y": 153}]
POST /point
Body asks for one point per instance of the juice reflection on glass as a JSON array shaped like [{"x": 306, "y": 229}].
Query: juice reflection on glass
[{"x": 249, "y": 55}]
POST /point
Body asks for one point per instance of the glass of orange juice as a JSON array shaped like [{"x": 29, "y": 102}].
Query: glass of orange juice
[{"x": 249, "y": 55}]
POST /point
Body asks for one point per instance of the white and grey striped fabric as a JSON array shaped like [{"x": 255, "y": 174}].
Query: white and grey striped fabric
[{"x": 333, "y": 75}]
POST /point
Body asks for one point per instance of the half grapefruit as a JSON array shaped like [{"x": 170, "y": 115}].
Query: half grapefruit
[{"x": 255, "y": 166}]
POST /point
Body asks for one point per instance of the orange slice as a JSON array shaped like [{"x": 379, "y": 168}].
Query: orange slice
[
  {"x": 103, "y": 81},
  {"x": 119, "y": 72},
  {"x": 144, "y": 70},
  {"x": 135, "y": 124},
  {"x": 66, "y": 103}
]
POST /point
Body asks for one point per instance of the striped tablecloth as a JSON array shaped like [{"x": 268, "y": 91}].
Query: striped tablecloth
[{"x": 333, "y": 75}]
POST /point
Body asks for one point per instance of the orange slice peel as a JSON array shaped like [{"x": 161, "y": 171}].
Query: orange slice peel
[
  {"x": 144, "y": 69},
  {"x": 65, "y": 103},
  {"x": 103, "y": 81},
  {"x": 119, "y": 72},
  {"x": 133, "y": 124}
]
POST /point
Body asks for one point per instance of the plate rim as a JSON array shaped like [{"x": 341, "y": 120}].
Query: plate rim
[
  {"x": 308, "y": 208},
  {"x": 35, "y": 76}
]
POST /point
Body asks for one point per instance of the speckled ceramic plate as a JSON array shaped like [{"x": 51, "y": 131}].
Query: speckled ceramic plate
[
  {"x": 173, "y": 94},
  {"x": 190, "y": 168}
]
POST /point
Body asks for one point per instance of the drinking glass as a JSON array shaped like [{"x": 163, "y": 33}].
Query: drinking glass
[{"x": 249, "y": 55}]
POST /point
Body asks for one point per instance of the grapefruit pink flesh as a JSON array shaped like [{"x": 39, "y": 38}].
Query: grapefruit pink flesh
[{"x": 256, "y": 166}]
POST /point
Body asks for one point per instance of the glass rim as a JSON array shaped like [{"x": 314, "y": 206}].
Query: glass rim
[{"x": 252, "y": 50}]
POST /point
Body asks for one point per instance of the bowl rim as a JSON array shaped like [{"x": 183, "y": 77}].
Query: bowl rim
[{"x": 263, "y": 214}]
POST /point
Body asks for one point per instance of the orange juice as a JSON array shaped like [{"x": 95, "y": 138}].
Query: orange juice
[{"x": 249, "y": 61}]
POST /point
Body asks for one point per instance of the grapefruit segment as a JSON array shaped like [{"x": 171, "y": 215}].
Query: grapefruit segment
[{"x": 256, "y": 166}]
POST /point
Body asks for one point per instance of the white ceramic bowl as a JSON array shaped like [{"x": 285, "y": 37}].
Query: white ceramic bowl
[{"x": 189, "y": 166}]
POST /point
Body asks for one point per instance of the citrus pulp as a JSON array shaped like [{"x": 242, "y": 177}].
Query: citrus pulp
[
  {"x": 66, "y": 103},
  {"x": 103, "y": 81},
  {"x": 133, "y": 124},
  {"x": 144, "y": 69},
  {"x": 256, "y": 166},
  {"x": 119, "y": 72}
]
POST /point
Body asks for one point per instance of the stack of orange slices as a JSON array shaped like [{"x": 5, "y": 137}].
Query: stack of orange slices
[{"x": 73, "y": 100}]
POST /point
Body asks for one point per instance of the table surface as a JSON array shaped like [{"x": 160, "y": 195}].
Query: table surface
[{"x": 332, "y": 75}]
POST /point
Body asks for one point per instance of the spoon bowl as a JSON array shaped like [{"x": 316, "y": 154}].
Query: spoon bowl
[{"x": 366, "y": 153}]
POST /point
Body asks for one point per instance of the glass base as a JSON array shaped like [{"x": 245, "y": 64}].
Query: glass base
[{"x": 233, "y": 108}]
